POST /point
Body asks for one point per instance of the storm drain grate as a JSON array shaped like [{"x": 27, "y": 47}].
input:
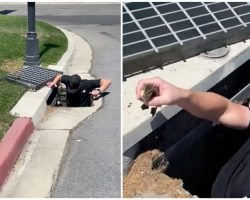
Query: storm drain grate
[
  {"x": 180, "y": 29},
  {"x": 33, "y": 77}
]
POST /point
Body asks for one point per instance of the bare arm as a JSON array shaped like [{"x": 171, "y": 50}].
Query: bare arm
[
  {"x": 104, "y": 84},
  {"x": 213, "y": 107},
  {"x": 206, "y": 105},
  {"x": 55, "y": 82}
]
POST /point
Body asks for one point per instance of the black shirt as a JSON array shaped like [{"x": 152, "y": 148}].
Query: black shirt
[
  {"x": 233, "y": 180},
  {"x": 80, "y": 98}
]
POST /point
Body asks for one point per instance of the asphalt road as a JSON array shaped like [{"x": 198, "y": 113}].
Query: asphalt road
[{"x": 91, "y": 166}]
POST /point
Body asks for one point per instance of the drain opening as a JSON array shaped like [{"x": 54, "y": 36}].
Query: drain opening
[
  {"x": 57, "y": 97},
  {"x": 197, "y": 150}
]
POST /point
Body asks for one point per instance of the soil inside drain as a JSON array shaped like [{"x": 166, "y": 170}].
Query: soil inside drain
[{"x": 143, "y": 181}]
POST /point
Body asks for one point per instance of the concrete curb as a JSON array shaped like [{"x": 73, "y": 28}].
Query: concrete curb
[{"x": 12, "y": 144}]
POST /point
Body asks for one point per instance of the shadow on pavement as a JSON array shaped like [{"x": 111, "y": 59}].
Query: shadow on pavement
[{"x": 6, "y": 12}]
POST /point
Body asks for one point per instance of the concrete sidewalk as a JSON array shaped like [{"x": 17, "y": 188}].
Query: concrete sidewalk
[{"x": 36, "y": 169}]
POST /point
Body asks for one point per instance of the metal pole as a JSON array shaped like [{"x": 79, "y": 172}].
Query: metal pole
[{"x": 32, "y": 46}]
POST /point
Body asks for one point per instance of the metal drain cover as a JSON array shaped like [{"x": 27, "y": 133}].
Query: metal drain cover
[
  {"x": 33, "y": 77},
  {"x": 158, "y": 33}
]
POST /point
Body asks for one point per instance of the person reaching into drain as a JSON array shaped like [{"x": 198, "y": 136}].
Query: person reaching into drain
[
  {"x": 206, "y": 105},
  {"x": 233, "y": 179},
  {"x": 79, "y": 93}
]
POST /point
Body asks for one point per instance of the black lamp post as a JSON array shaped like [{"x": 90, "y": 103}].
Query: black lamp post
[{"x": 32, "y": 48}]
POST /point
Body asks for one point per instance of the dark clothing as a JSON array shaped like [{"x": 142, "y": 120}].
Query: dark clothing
[
  {"x": 233, "y": 180},
  {"x": 80, "y": 97}
]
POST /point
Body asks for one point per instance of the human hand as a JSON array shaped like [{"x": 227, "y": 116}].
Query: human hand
[
  {"x": 95, "y": 93},
  {"x": 167, "y": 94},
  {"x": 51, "y": 84}
]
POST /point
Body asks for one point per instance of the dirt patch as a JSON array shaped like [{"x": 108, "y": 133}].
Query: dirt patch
[
  {"x": 50, "y": 109},
  {"x": 12, "y": 65},
  {"x": 143, "y": 181}
]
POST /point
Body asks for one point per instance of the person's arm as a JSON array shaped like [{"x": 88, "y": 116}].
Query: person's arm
[
  {"x": 104, "y": 84},
  {"x": 213, "y": 107},
  {"x": 55, "y": 82},
  {"x": 206, "y": 105}
]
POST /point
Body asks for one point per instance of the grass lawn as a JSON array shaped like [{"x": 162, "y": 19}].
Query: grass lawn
[{"x": 52, "y": 45}]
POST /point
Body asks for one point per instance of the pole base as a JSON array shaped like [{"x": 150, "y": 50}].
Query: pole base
[{"x": 32, "y": 52}]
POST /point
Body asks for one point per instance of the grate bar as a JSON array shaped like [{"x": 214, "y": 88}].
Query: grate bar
[
  {"x": 157, "y": 26},
  {"x": 235, "y": 14},
  {"x": 140, "y": 9},
  {"x": 245, "y": 15},
  {"x": 239, "y": 6},
  {"x": 139, "y": 26},
  {"x": 130, "y": 22},
  {"x": 207, "y": 34},
  {"x": 191, "y": 38},
  {"x": 169, "y": 27},
  {"x": 172, "y": 12},
  {"x": 202, "y": 25},
  {"x": 208, "y": 9},
  {"x": 231, "y": 27},
  {"x": 168, "y": 45},
  {"x": 191, "y": 20},
  {"x": 164, "y": 4},
  {"x": 233, "y": 17},
  {"x": 135, "y": 54},
  {"x": 202, "y": 15},
  {"x": 200, "y": 6},
  {"x": 32, "y": 77},
  {"x": 128, "y": 33},
  {"x": 211, "y": 3},
  {"x": 131, "y": 43},
  {"x": 146, "y": 18},
  {"x": 177, "y": 21}
]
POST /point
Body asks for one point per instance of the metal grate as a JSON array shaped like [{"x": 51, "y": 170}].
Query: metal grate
[
  {"x": 180, "y": 29},
  {"x": 33, "y": 77}
]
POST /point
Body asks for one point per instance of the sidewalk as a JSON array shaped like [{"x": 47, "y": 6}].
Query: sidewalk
[{"x": 36, "y": 169}]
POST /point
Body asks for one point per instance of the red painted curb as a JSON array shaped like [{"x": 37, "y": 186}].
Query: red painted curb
[{"x": 12, "y": 144}]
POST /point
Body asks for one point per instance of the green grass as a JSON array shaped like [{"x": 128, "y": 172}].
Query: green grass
[
  {"x": 52, "y": 45},
  {"x": 52, "y": 42},
  {"x": 9, "y": 95}
]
